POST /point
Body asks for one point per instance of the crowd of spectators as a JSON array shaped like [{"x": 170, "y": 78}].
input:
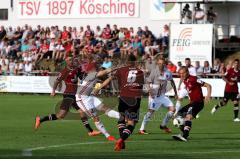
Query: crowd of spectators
[{"x": 22, "y": 50}]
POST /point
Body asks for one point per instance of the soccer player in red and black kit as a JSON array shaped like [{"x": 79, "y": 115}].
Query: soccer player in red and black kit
[
  {"x": 232, "y": 77},
  {"x": 70, "y": 76},
  {"x": 193, "y": 86},
  {"x": 130, "y": 81}
]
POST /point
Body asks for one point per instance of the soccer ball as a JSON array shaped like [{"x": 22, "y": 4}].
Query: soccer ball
[
  {"x": 178, "y": 121},
  {"x": 97, "y": 86}
]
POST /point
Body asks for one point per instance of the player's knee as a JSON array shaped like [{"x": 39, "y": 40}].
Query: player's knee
[{"x": 171, "y": 109}]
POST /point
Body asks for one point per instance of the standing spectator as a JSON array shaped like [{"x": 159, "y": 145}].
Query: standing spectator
[
  {"x": 186, "y": 15},
  {"x": 211, "y": 15},
  {"x": 199, "y": 15},
  {"x": 199, "y": 69}
]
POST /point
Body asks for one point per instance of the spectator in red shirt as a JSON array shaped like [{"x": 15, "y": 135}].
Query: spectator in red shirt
[
  {"x": 171, "y": 67},
  {"x": 43, "y": 52},
  {"x": 65, "y": 34}
]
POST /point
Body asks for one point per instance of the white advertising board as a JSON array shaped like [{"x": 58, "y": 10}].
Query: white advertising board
[{"x": 191, "y": 40}]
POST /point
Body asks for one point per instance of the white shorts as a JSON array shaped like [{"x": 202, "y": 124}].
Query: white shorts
[
  {"x": 156, "y": 102},
  {"x": 88, "y": 104}
]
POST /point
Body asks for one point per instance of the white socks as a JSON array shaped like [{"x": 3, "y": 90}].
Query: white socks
[
  {"x": 146, "y": 118},
  {"x": 167, "y": 117},
  {"x": 101, "y": 128},
  {"x": 177, "y": 106}
]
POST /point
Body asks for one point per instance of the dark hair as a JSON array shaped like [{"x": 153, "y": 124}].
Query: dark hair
[
  {"x": 187, "y": 59},
  {"x": 236, "y": 60}
]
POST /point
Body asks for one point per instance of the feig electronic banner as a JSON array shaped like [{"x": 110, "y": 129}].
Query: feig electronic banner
[
  {"x": 191, "y": 40},
  {"x": 164, "y": 11},
  {"x": 38, "y": 9}
]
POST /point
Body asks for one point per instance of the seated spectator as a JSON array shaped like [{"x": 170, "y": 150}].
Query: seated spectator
[
  {"x": 43, "y": 52},
  {"x": 115, "y": 32},
  {"x": 199, "y": 69},
  {"x": 58, "y": 51},
  {"x": 171, "y": 67},
  {"x": 4, "y": 68},
  {"x": 98, "y": 33},
  {"x": 25, "y": 46},
  {"x": 115, "y": 50},
  {"x": 107, "y": 63},
  {"x": 27, "y": 68},
  {"x": 222, "y": 69},
  {"x": 11, "y": 67},
  {"x": 3, "y": 33},
  {"x": 198, "y": 15},
  {"x": 18, "y": 68}
]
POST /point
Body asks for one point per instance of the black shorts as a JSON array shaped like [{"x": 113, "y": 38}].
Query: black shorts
[
  {"x": 68, "y": 102},
  {"x": 192, "y": 108},
  {"x": 129, "y": 107},
  {"x": 230, "y": 95}
]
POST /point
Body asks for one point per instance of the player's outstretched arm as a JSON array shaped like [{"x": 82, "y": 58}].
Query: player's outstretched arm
[
  {"x": 105, "y": 83},
  {"x": 209, "y": 92}
]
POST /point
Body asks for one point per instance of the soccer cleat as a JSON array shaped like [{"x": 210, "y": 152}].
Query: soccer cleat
[
  {"x": 111, "y": 138},
  {"x": 166, "y": 129},
  {"x": 179, "y": 137},
  {"x": 94, "y": 133},
  {"x": 236, "y": 120},
  {"x": 143, "y": 132},
  {"x": 37, "y": 122},
  {"x": 197, "y": 116},
  {"x": 213, "y": 110},
  {"x": 119, "y": 145}
]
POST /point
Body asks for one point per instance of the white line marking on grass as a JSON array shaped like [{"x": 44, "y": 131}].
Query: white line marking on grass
[{"x": 28, "y": 152}]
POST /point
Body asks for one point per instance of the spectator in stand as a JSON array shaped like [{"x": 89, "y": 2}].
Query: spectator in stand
[
  {"x": 5, "y": 50},
  {"x": 165, "y": 36},
  {"x": 171, "y": 67},
  {"x": 18, "y": 34},
  {"x": 198, "y": 14},
  {"x": 127, "y": 33},
  {"x": 186, "y": 15},
  {"x": 4, "y": 67},
  {"x": 211, "y": 16},
  {"x": 19, "y": 68},
  {"x": 43, "y": 52},
  {"x": 140, "y": 32},
  {"x": 147, "y": 32},
  {"x": 10, "y": 35},
  {"x": 137, "y": 47},
  {"x": 27, "y": 68},
  {"x": 81, "y": 34},
  {"x": 216, "y": 66},
  {"x": 11, "y": 67},
  {"x": 132, "y": 33},
  {"x": 222, "y": 69},
  {"x": 1, "y": 73},
  {"x": 89, "y": 33},
  {"x": 98, "y": 33},
  {"x": 206, "y": 68},
  {"x": 107, "y": 63},
  {"x": 199, "y": 69},
  {"x": 115, "y": 51},
  {"x": 149, "y": 65},
  {"x": 126, "y": 45},
  {"x": 65, "y": 34},
  {"x": 3, "y": 33},
  {"x": 179, "y": 65},
  {"x": 115, "y": 32}
]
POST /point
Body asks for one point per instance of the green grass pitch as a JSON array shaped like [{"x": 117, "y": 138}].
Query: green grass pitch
[{"x": 212, "y": 136}]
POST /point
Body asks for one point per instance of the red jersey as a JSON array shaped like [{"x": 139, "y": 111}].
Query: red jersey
[
  {"x": 70, "y": 78},
  {"x": 88, "y": 33},
  {"x": 106, "y": 34},
  {"x": 232, "y": 76},
  {"x": 130, "y": 81},
  {"x": 44, "y": 46},
  {"x": 65, "y": 35},
  {"x": 194, "y": 88}
]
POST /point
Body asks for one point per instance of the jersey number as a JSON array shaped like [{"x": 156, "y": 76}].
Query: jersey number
[{"x": 132, "y": 75}]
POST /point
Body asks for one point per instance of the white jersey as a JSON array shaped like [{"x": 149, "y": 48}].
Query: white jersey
[
  {"x": 87, "y": 84},
  {"x": 159, "y": 81}
]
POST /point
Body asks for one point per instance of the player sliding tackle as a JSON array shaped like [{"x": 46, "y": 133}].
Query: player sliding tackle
[
  {"x": 157, "y": 87},
  {"x": 70, "y": 76},
  {"x": 89, "y": 103},
  {"x": 193, "y": 86}
]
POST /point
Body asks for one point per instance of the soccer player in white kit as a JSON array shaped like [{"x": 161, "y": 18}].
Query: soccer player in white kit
[
  {"x": 90, "y": 104},
  {"x": 182, "y": 92},
  {"x": 157, "y": 87}
]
